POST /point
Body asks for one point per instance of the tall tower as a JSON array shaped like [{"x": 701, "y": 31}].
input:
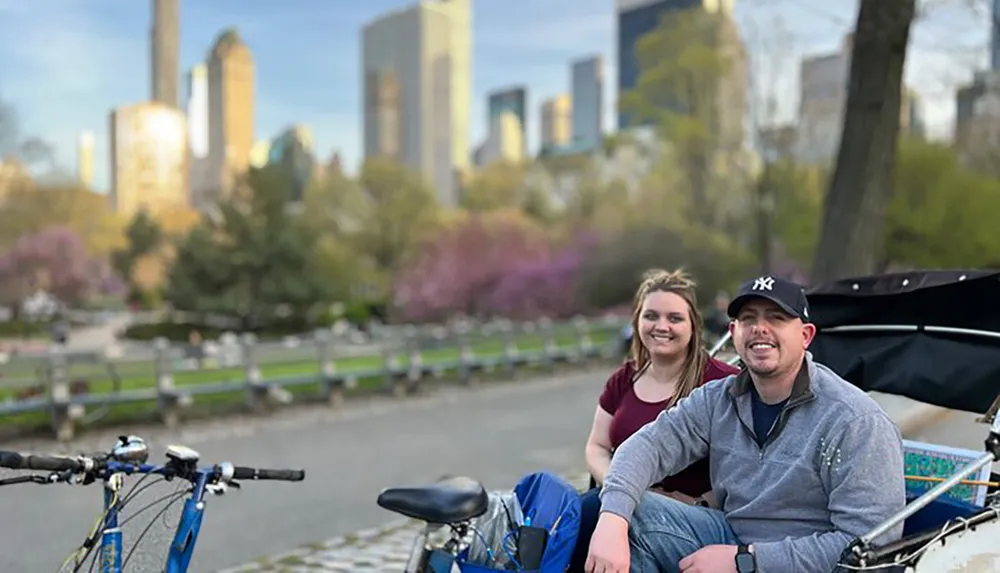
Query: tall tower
[
  {"x": 557, "y": 122},
  {"x": 587, "y": 79},
  {"x": 408, "y": 85},
  {"x": 197, "y": 117},
  {"x": 231, "y": 108},
  {"x": 164, "y": 46},
  {"x": 149, "y": 160},
  {"x": 85, "y": 159},
  {"x": 460, "y": 14}
]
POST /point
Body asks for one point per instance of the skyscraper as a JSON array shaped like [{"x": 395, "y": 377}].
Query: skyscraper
[
  {"x": 505, "y": 141},
  {"x": 587, "y": 80},
  {"x": 415, "y": 65},
  {"x": 197, "y": 115},
  {"x": 557, "y": 122},
  {"x": 231, "y": 104},
  {"x": 85, "y": 159},
  {"x": 164, "y": 46},
  {"x": 513, "y": 100},
  {"x": 459, "y": 13},
  {"x": 149, "y": 158}
]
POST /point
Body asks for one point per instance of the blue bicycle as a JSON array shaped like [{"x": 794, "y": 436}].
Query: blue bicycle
[{"x": 128, "y": 457}]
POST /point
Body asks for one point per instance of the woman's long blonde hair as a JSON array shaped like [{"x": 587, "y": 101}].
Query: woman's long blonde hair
[{"x": 681, "y": 284}]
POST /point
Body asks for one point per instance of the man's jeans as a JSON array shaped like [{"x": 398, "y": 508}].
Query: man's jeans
[{"x": 664, "y": 531}]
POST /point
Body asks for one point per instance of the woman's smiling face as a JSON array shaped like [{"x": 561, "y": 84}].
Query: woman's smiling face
[{"x": 665, "y": 324}]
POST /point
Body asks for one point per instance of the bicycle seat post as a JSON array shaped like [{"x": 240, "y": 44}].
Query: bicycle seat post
[{"x": 417, "y": 562}]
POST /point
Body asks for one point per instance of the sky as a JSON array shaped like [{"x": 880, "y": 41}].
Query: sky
[{"x": 65, "y": 64}]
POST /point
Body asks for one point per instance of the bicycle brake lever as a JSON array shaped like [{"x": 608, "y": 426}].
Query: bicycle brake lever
[
  {"x": 234, "y": 484},
  {"x": 58, "y": 477}
]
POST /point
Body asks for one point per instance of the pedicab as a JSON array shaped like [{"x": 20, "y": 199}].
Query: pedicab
[{"x": 931, "y": 336}]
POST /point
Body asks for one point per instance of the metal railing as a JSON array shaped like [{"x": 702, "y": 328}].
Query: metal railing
[{"x": 74, "y": 389}]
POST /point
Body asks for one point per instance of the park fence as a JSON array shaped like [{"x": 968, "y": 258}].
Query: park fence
[{"x": 68, "y": 391}]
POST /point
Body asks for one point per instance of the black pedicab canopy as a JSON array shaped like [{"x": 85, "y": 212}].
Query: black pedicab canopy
[{"x": 932, "y": 336}]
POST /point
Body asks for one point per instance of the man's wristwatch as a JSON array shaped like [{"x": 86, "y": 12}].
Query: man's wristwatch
[{"x": 746, "y": 562}]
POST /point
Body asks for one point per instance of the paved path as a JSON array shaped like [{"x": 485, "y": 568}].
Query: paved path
[{"x": 497, "y": 433}]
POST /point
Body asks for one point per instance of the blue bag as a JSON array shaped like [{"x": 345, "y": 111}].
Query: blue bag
[{"x": 550, "y": 502}]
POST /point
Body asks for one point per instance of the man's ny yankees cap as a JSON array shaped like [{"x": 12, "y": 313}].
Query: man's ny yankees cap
[{"x": 790, "y": 296}]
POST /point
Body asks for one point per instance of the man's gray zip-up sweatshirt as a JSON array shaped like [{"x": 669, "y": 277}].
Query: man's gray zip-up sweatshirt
[{"x": 831, "y": 470}]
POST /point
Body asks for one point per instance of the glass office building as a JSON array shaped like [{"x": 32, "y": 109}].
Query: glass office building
[
  {"x": 513, "y": 100},
  {"x": 293, "y": 150},
  {"x": 588, "y": 102}
]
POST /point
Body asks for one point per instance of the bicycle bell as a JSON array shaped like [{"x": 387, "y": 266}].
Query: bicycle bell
[{"x": 130, "y": 449}]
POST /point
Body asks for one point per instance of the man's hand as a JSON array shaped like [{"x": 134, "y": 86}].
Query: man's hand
[
  {"x": 711, "y": 559},
  {"x": 609, "y": 552}
]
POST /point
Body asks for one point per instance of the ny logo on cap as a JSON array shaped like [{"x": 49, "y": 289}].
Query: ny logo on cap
[{"x": 763, "y": 283}]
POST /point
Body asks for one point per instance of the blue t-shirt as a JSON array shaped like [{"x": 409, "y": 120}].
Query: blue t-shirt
[{"x": 764, "y": 415}]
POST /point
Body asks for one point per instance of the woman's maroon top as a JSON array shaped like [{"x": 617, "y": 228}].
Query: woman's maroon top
[{"x": 629, "y": 413}]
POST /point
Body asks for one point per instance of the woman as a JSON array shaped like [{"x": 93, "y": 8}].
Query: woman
[{"x": 668, "y": 361}]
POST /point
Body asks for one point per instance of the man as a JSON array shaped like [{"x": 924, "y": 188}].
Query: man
[{"x": 802, "y": 461}]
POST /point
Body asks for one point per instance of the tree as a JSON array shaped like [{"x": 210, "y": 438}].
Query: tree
[
  {"x": 683, "y": 67},
  {"x": 252, "y": 260},
  {"x": 544, "y": 286},
  {"x": 331, "y": 204},
  {"x": 499, "y": 185},
  {"x": 796, "y": 197},
  {"x": 32, "y": 207},
  {"x": 941, "y": 212},
  {"x": 458, "y": 269},
  {"x": 53, "y": 260},
  {"x": 612, "y": 271},
  {"x": 851, "y": 236},
  {"x": 393, "y": 208}
]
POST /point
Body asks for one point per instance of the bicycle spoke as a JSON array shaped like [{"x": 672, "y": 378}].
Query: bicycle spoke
[
  {"x": 177, "y": 497},
  {"x": 169, "y": 497}
]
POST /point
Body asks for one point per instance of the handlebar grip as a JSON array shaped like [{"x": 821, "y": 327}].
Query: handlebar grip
[
  {"x": 255, "y": 473},
  {"x": 17, "y": 461},
  {"x": 11, "y": 460}
]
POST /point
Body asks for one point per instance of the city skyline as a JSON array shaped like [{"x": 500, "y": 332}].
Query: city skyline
[{"x": 98, "y": 59}]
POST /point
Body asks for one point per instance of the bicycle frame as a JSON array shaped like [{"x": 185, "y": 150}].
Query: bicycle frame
[{"x": 185, "y": 536}]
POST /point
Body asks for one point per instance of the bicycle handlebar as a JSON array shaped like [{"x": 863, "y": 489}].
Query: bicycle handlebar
[
  {"x": 223, "y": 472},
  {"x": 240, "y": 472},
  {"x": 14, "y": 460}
]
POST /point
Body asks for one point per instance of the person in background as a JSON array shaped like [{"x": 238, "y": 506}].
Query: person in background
[
  {"x": 717, "y": 321},
  {"x": 668, "y": 360}
]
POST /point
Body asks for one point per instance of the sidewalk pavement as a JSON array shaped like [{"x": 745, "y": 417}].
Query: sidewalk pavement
[{"x": 385, "y": 549}]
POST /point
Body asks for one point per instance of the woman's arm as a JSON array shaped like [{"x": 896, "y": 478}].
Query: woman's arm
[{"x": 598, "y": 450}]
